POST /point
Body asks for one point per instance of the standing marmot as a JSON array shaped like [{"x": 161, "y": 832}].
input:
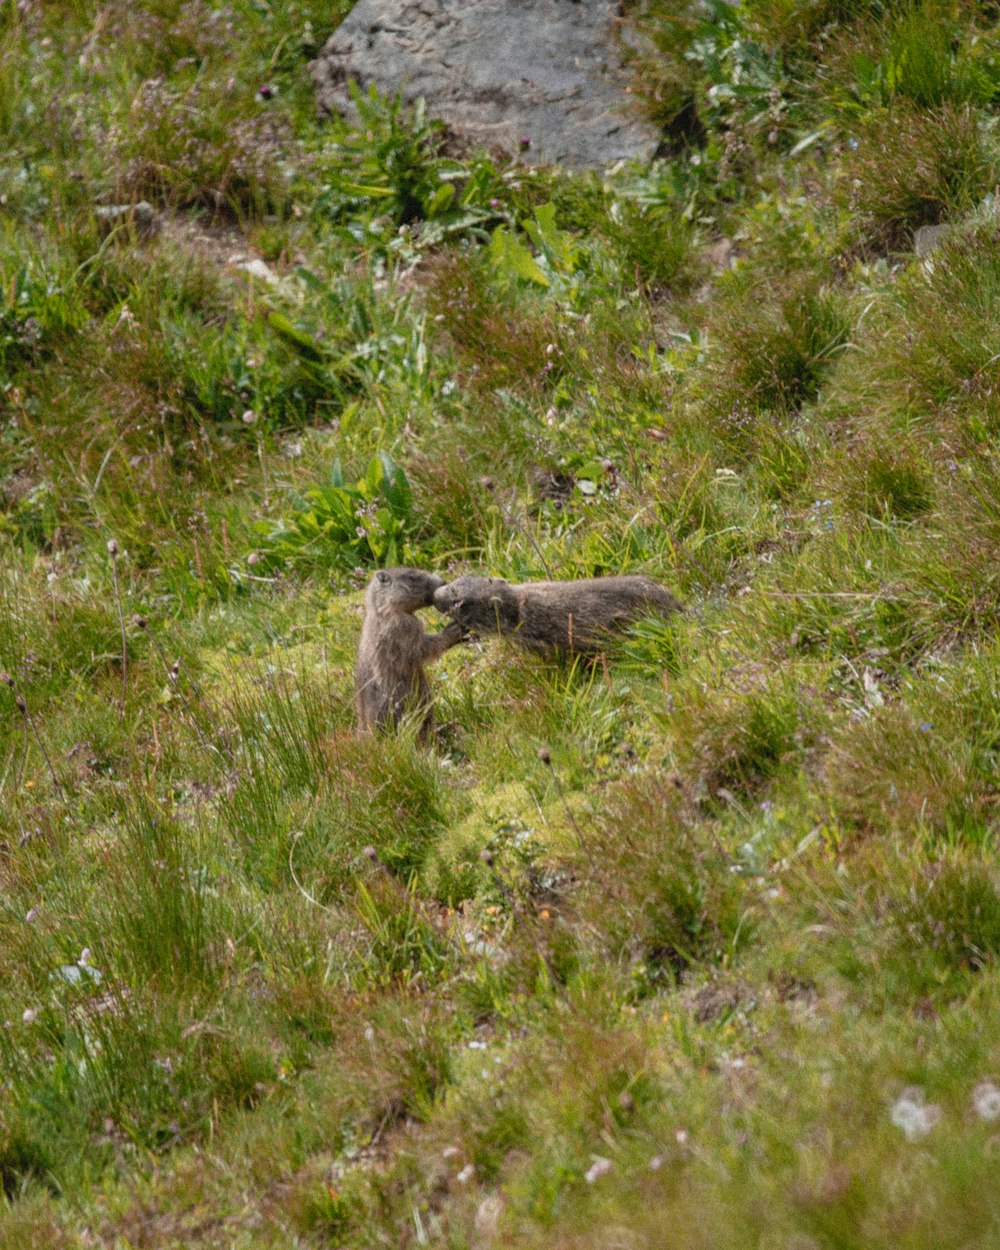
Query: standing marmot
[
  {"x": 389, "y": 676},
  {"x": 550, "y": 617}
]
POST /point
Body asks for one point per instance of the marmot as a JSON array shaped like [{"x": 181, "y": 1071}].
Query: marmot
[
  {"x": 549, "y": 617},
  {"x": 389, "y": 676}
]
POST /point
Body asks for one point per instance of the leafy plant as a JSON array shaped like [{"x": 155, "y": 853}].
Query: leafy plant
[
  {"x": 560, "y": 264},
  {"x": 391, "y": 165},
  {"x": 344, "y": 525}
]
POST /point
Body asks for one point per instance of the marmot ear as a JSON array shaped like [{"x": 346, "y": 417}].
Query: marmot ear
[{"x": 382, "y": 576}]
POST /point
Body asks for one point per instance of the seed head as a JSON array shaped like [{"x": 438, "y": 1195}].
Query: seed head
[
  {"x": 545, "y": 756},
  {"x": 112, "y": 548}
]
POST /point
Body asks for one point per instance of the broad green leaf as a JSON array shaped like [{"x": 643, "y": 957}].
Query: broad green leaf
[
  {"x": 441, "y": 198},
  {"x": 302, "y": 342},
  {"x": 510, "y": 256}
]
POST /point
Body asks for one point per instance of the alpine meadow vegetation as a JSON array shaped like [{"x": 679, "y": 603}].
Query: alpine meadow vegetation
[{"x": 695, "y": 946}]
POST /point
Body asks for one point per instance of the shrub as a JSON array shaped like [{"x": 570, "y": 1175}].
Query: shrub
[
  {"x": 925, "y": 761},
  {"x": 919, "y": 53},
  {"x": 500, "y": 342},
  {"x": 914, "y": 168},
  {"x": 660, "y": 892},
  {"x": 317, "y": 821},
  {"x": 766, "y": 360},
  {"x": 40, "y": 305},
  {"x": 925, "y": 364},
  {"x": 220, "y": 372},
  {"x": 188, "y": 145},
  {"x": 654, "y": 245},
  {"x": 736, "y": 742},
  {"x": 893, "y": 484},
  {"x": 952, "y": 909}
]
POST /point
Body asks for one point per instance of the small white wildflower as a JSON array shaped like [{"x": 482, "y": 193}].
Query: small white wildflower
[
  {"x": 600, "y": 1167},
  {"x": 466, "y": 1174},
  {"x": 681, "y": 1137},
  {"x": 477, "y": 1045},
  {"x": 249, "y": 417},
  {"x": 986, "y": 1101},
  {"x": 29, "y": 1014},
  {"x": 656, "y": 1163},
  {"x": 450, "y": 1152},
  {"x": 913, "y": 1115},
  {"x": 32, "y": 915},
  {"x": 85, "y": 957}
]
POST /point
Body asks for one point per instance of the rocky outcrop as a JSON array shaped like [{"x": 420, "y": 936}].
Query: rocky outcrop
[{"x": 540, "y": 76}]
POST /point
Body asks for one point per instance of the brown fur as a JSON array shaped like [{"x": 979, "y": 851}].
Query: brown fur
[
  {"x": 389, "y": 676},
  {"x": 572, "y": 617}
]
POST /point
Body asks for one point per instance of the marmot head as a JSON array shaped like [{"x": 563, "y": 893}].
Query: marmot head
[
  {"x": 476, "y": 603},
  {"x": 482, "y": 589},
  {"x": 403, "y": 590}
]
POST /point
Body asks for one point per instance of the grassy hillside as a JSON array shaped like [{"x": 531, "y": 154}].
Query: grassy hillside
[{"x": 697, "y": 947}]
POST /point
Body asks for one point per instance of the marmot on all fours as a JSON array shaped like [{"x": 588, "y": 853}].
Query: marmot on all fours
[
  {"x": 389, "y": 676},
  {"x": 574, "y": 617}
]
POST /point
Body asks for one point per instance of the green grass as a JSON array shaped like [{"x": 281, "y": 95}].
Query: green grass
[{"x": 701, "y": 937}]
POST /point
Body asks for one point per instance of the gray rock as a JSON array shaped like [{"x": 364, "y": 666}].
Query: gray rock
[
  {"x": 498, "y": 72},
  {"x": 141, "y": 216},
  {"x": 260, "y": 269},
  {"x": 927, "y": 238}
]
